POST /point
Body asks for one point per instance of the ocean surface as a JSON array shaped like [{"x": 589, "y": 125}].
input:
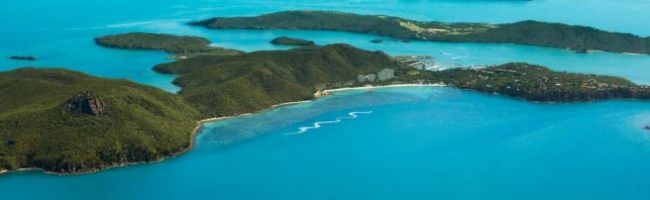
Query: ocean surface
[{"x": 397, "y": 143}]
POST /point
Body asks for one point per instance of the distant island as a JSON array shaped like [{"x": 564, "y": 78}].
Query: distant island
[
  {"x": 181, "y": 46},
  {"x": 27, "y": 58},
  {"x": 284, "y": 40},
  {"x": 555, "y": 35},
  {"x": 376, "y": 41},
  {"x": 67, "y": 122}
]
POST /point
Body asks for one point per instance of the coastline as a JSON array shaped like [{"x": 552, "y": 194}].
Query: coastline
[
  {"x": 384, "y": 86},
  {"x": 213, "y": 119},
  {"x": 197, "y": 129}
]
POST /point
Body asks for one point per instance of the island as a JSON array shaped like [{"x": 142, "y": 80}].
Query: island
[
  {"x": 181, "y": 46},
  {"x": 27, "y": 58},
  {"x": 67, "y": 122},
  {"x": 555, "y": 35},
  {"x": 284, "y": 40},
  {"x": 376, "y": 41}
]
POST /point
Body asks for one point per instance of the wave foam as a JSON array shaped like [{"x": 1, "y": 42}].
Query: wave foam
[{"x": 351, "y": 115}]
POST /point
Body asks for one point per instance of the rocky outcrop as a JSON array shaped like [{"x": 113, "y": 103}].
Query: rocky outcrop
[{"x": 87, "y": 104}]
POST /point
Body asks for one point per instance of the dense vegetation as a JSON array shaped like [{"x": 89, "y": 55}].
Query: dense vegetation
[
  {"x": 534, "y": 83},
  {"x": 226, "y": 85},
  {"x": 182, "y": 45},
  {"x": 578, "y": 38},
  {"x": 284, "y": 40},
  {"x": 68, "y": 122}
]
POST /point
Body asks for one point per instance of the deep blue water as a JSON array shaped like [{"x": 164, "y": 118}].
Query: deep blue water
[{"x": 405, "y": 143}]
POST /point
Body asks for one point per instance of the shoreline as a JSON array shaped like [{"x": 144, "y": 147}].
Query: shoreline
[
  {"x": 384, "y": 86},
  {"x": 197, "y": 129}
]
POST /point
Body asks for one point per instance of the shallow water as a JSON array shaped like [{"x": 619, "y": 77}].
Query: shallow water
[{"x": 405, "y": 143}]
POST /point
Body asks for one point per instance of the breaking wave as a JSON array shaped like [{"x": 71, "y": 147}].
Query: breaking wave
[{"x": 351, "y": 115}]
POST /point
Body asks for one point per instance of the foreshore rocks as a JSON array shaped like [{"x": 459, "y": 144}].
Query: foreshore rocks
[{"x": 321, "y": 93}]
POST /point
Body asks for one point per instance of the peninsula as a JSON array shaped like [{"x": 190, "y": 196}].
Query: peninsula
[
  {"x": 533, "y": 83},
  {"x": 555, "y": 35},
  {"x": 67, "y": 122}
]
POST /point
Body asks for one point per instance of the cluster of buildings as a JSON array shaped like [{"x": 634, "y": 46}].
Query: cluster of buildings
[{"x": 382, "y": 75}]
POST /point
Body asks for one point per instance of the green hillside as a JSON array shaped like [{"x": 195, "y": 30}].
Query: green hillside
[
  {"x": 68, "y": 122},
  {"x": 225, "y": 85}
]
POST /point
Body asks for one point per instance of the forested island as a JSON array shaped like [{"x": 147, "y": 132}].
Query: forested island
[
  {"x": 556, "y": 35},
  {"x": 284, "y": 40},
  {"x": 68, "y": 122},
  {"x": 181, "y": 46}
]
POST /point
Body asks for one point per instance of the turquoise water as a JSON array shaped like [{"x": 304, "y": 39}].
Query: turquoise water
[
  {"x": 400, "y": 143},
  {"x": 411, "y": 143},
  {"x": 60, "y": 33}
]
